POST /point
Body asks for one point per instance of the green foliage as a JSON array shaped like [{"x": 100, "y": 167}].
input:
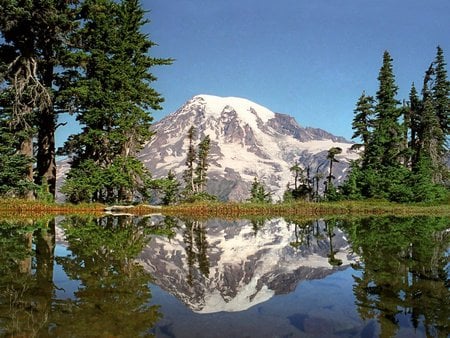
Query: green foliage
[
  {"x": 84, "y": 183},
  {"x": 402, "y": 160},
  {"x": 258, "y": 193},
  {"x": 43, "y": 193},
  {"x": 202, "y": 163},
  {"x": 362, "y": 120},
  {"x": 403, "y": 266},
  {"x": 90, "y": 183},
  {"x": 169, "y": 187},
  {"x": 14, "y": 167},
  {"x": 33, "y": 36},
  {"x": 195, "y": 174},
  {"x": 110, "y": 85},
  {"x": 201, "y": 196}
]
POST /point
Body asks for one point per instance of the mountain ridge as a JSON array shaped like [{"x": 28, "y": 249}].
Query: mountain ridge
[{"x": 247, "y": 141}]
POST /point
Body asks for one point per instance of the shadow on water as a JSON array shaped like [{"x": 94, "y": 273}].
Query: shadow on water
[{"x": 167, "y": 277}]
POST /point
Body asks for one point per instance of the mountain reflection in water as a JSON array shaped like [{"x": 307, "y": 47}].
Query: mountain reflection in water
[{"x": 166, "y": 277}]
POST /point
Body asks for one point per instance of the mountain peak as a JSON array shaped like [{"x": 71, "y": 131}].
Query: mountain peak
[
  {"x": 245, "y": 109},
  {"x": 247, "y": 141}
]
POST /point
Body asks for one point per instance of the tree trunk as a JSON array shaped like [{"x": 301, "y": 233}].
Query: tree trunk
[
  {"x": 46, "y": 160},
  {"x": 26, "y": 149}
]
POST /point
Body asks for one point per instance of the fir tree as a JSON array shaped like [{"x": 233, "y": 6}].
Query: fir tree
[
  {"x": 15, "y": 167},
  {"x": 202, "y": 164},
  {"x": 430, "y": 135},
  {"x": 362, "y": 120},
  {"x": 331, "y": 156},
  {"x": 188, "y": 174},
  {"x": 403, "y": 159},
  {"x": 258, "y": 193},
  {"x": 302, "y": 185},
  {"x": 113, "y": 93},
  {"x": 170, "y": 189},
  {"x": 441, "y": 94},
  {"x": 384, "y": 148},
  {"x": 413, "y": 118},
  {"x": 34, "y": 34}
]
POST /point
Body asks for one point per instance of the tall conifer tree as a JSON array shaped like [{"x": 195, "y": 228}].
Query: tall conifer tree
[
  {"x": 34, "y": 34},
  {"x": 363, "y": 118},
  {"x": 113, "y": 93},
  {"x": 387, "y": 135}
]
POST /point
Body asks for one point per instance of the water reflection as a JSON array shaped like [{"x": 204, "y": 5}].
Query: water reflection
[
  {"x": 132, "y": 276},
  {"x": 112, "y": 298},
  {"x": 404, "y": 273},
  {"x": 219, "y": 265}
]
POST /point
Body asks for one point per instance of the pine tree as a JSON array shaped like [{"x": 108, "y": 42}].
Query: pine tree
[
  {"x": 188, "y": 174},
  {"x": 258, "y": 193},
  {"x": 302, "y": 185},
  {"x": 15, "y": 167},
  {"x": 202, "y": 164},
  {"x": 430, "y": 134},
  {"x": 362, "y": 120},
  {"x": 34, "y": 34},
  {"x": 441, "y": 94},
  {"x": 384, "y": 148},
  {"x": 331, "y": 156},
  {"x": 413, "y": 118},
  {"x": 113, "y": 93},
  {"x": 170, "y": 189}
]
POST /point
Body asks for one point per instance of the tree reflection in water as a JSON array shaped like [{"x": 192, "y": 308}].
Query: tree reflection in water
[
  {"x": 403, "y": 272},
  {"x": 196, "y": 245},
  {"x": 113, "y": 295},
  {"x": 400, "y": 283},
  {"x": 26, "y": 285}
]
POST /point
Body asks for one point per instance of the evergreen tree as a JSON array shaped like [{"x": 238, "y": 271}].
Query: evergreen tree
[
  {"x": 412, "y": 120},
  {"x": 167, "y": 188},
  {"x": 15, "y": 168},
  {"x": 302, "y": 185},
  {"x": 258, "y": 193},
  {"x": 34, "y": 33},
  {"x": 331, "y": 156},
  {"x": 362, "y": 120},
  {"x": 170, "y": 189},
  {"x": 403, "y": 161},
  {"x": 113, "y": 93},
  {"x": 430, "y": 134},
  {"x": 441, "y": 94},
  {"x": 188, "y": 174},
  {"x": 195, "y": 174},
  {"x": 297, "y": 171},
  {"x": 330, "y": 189},
  {"x": 384, "y": 148},
  {"x": 202, "y": 164}
]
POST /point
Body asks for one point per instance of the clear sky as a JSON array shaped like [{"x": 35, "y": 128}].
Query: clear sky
[{"x": 307, "y": 58}]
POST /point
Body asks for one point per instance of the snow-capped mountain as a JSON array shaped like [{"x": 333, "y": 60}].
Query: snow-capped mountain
[
  {"x": 247, "y": 141},
  {"x": 222, "y": 265}
]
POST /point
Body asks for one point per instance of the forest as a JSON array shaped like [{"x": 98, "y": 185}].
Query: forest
[{"x": 91, "y": 59}]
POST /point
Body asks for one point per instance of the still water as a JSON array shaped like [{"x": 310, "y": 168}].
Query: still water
[{"x": 124, "y": 276}]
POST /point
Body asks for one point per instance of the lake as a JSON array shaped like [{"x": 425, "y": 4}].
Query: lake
[{"x": 125, "y": 276}]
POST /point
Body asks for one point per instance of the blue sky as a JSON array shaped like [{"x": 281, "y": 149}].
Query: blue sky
[{"x": 307, "y": 58}]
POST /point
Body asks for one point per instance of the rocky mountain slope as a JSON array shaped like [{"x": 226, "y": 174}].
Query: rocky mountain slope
[{"x": 247, "y": 141}]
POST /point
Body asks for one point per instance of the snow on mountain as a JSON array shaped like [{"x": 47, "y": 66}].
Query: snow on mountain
[
  {"x": 247, "y": 141},
  {"x": 221, "y": 265}
]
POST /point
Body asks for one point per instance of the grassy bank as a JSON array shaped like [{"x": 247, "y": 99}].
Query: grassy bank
[
  {"x": 23, "y": 208},
  {"x": 357, "y": 208},
  {"x": 15, "y": 207}
]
